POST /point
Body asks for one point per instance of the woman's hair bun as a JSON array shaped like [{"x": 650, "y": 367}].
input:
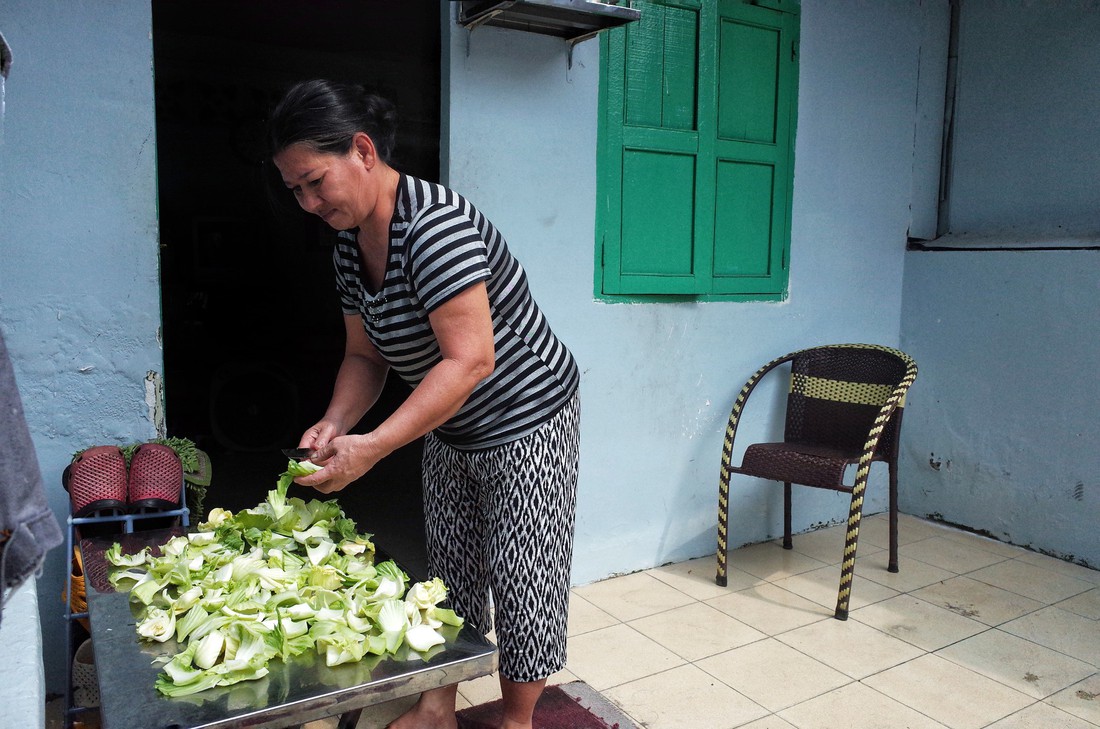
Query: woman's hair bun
[{"x": 380, "y": 114}]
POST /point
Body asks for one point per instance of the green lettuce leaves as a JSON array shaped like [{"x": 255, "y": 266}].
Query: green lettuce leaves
[{"x": 275, "y": 581}]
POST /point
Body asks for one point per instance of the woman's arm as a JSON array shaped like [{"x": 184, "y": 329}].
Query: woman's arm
[
  {"x": 463, "y": 327},
  {"x": 358, "y": 383}
]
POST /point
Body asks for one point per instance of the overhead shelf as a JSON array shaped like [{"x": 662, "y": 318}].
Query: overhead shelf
[{"x": 573, "y": 20}]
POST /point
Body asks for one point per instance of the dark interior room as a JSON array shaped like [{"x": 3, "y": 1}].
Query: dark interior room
[{"x": 253, "y": 332}]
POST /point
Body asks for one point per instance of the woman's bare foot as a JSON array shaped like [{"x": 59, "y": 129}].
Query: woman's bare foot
[{"x": 434, "y": 710}]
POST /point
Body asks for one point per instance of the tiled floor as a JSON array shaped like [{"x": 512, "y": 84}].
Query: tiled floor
[{"x": 970, "y": 633}]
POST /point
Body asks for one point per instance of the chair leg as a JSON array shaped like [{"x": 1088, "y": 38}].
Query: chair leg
[
  {"x": 893, "y": 564},
  {"x": 851, "y": 541},
  {"x": 723, "y": 516},
  {"x": 787, "y": 543}
]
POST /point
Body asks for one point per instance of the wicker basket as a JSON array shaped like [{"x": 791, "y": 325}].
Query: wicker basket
[{"x": 78, "y": 599}]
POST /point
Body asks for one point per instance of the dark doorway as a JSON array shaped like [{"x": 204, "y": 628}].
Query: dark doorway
[{"x": 253, "y": 332}]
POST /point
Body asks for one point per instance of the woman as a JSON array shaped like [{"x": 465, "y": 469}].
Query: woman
[{"x": 429, "y": 289}]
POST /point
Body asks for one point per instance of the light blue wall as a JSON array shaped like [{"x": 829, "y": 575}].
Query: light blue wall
[
  {"x": 1001, "y": 432},
  {"x": 1001, "y": 435},
  {"x": 1025, "y": 152},
  {"x": 79, "y": 290},
  {"x": 78, "y": 273},
  {"x": 659, "y": 379}
]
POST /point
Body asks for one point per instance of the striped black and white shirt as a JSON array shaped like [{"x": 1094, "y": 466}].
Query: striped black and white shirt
[{"x": 440, "y": 245}]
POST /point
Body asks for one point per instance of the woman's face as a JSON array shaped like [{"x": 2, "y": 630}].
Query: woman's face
[{"x": 338, "y": 188}]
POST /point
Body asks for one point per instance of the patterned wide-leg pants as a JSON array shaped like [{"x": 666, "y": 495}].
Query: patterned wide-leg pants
[{"x": 501, "y": 520}]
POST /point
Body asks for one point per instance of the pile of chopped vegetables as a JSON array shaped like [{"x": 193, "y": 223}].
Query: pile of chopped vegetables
[{"x": 274, "y": 581}]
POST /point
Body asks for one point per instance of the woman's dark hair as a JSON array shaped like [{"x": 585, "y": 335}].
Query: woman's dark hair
[{"x": 325, "y": 115}]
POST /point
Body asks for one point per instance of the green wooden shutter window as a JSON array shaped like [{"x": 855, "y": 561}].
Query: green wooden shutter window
[{"x": 696, "y": 139}]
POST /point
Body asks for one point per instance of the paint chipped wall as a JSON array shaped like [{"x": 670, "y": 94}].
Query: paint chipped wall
[
  {"x": 1000, "y": 433},
  {"x": 79, "y": 290},
  {"x": 1001, "y": 427}
]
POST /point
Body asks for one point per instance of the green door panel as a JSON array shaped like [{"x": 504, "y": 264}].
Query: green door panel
[
  {"x": 681, "y": 58},
  {"x": 748, "y": 83},
  {"x": 661, "y": 52},
  {"x": 658, "y": 213},
  {"x": 644, "y": 67},
  {"x": 743, "y": 219},
  {"x": 681, "y": 142},
  {"x": 755, "y": 101}
]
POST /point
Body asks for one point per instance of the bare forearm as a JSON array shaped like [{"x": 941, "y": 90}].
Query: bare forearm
[
  {"x": 435, "y": 400},
  {"x": 358, "y": 384},
  {"x": 463, "y": 328}
]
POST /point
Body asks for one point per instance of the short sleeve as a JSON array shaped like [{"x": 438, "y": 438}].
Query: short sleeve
[
  {"x": 345, "y": 262},
  {"x": 447, "y": 254}
]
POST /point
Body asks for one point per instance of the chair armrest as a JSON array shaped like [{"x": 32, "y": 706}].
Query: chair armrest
[
  {"x": 884, "y": 414},
  {"x": 739, "y": 405}
]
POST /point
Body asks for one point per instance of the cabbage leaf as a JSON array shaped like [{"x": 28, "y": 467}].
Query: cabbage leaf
[{"x": 284, "y": 578}]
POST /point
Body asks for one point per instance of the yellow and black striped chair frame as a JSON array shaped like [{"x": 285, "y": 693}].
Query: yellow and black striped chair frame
[{"x": 844, "y": 407}]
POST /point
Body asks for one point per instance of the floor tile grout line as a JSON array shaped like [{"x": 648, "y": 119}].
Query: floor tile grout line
[
  {"x": 925, "y": 652},
  {"x": 775, "y": 582},
  {"x": 985, "y": 629},
  {"x": 785, "y": 708},
  {"x": 997, "y": 680},
  {"x": 899, "y": 701}
]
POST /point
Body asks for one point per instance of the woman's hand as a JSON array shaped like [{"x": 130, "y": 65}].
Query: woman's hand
[
  {"x": 319, "y": 435},
  {"x": 344, "y": 459}
]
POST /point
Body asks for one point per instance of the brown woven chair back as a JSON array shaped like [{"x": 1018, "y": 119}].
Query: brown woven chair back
[{"x": 836, "y": 393}]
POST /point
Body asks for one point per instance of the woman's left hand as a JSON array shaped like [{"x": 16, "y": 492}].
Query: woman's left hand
[{"x": 344, "y": 459}]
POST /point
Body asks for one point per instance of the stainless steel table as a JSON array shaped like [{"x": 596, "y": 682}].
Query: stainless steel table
[{"x": 302, "y": 689}]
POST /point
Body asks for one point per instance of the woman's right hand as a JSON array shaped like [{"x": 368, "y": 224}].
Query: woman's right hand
[
  {"x": 319, "y": 435},
  {"x": 342, "y": 461}
]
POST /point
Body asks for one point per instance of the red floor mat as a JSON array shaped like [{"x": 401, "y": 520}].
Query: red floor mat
[{"x": 568, "y": 706}]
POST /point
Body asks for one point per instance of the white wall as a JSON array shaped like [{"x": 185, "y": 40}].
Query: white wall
[{"x": 659, "y": 379}]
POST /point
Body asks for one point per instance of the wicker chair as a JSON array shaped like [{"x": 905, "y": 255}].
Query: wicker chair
[{"x": 844, "y": 407}]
